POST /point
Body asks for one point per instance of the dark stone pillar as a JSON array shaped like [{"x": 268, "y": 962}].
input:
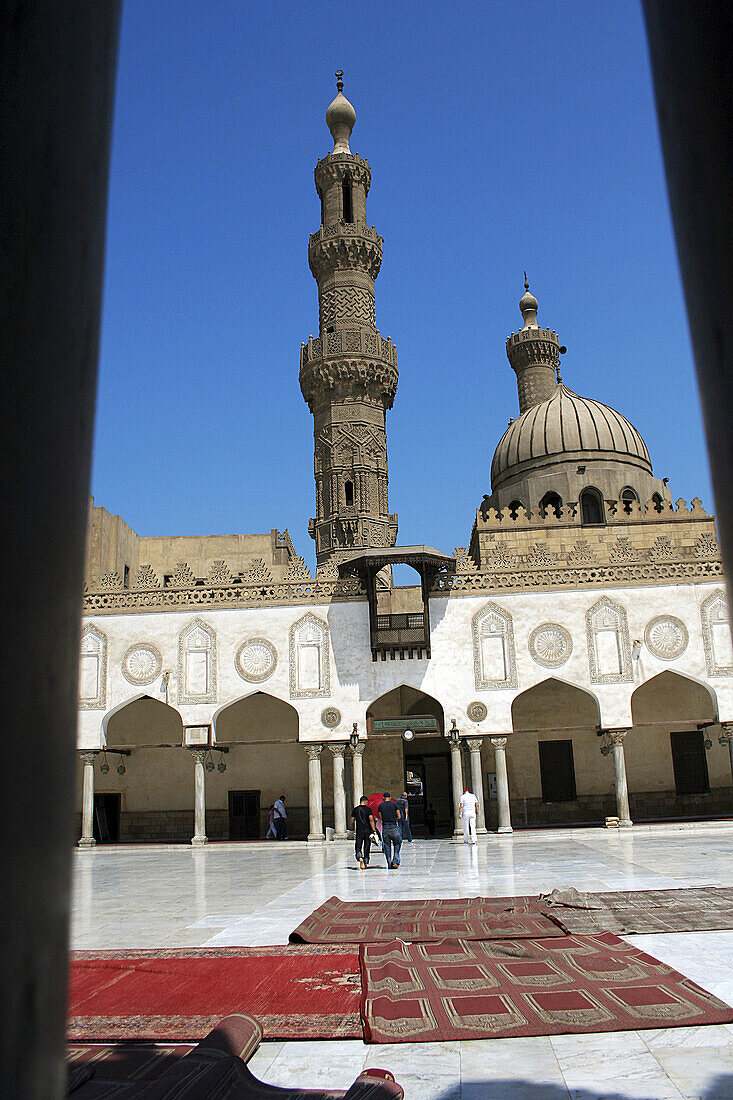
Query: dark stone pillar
[{"x": 57, "y": 64}]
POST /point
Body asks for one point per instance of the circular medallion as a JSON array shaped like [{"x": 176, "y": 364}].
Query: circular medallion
[
  {"x": 142, "y": 663},
  {"x": 331, "y": 716},
  {"x": 477, "y": 711},
  {"x": 256, "y": 660},
  {"x": 550, "y": 645},
  {"x": 666, "y": 637}
]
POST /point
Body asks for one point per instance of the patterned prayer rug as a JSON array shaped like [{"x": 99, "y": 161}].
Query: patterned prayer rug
[
  {"x": 351, "y": 922},
  {"x": 295, "y": 992},
  {"x": 426, "y": 992},
  {"x": 643, "y": 911}
]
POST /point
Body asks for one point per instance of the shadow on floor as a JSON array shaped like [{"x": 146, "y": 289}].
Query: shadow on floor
[{"x": 720, "y": 1088}]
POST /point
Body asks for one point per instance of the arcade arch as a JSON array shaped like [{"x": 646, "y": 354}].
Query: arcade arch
[
  {"x": 555, "y": 770},
  {"x": 140, "y": 786},
  {"x": 263, "y": 761},
  {"x": 675, "y": 764},
  {"x": 420, "y": 766}
]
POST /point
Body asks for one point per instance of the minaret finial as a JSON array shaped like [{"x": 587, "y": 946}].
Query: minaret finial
[
  {"x": 528, "y": 306},
  {"x": 340, "y": 117}
]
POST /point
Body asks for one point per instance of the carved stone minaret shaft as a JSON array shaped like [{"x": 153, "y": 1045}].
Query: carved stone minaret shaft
[
  {"x": 348, "y": 375},
  {"x": 534, "y": 354}
]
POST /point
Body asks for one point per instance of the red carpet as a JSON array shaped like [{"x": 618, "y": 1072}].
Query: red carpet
[
  {"x": 351, "y": 922},
  {"x": 295, "y": 992},
  {"x": 426, "y": 992}
]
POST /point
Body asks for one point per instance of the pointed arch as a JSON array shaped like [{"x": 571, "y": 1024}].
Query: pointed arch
[
  {"x": 555, "y": 704},
  {"x": 142, "y": 721},
  {"x": 197, "y": 663},
  {"x": 716, "y": 637},
  {"x": 670, "y": 698},
  {"x": 405, "y": 701},
  {"x": 310, "y": 658},
  {"x": 609, "y": 645},
  {"x": 93, "y": 668},
  {"x": 256, "y": 718},
  {"x": 494, "y": 659}
]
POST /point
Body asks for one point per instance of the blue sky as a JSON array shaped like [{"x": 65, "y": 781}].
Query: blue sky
[{"x": 501, "y": 136}]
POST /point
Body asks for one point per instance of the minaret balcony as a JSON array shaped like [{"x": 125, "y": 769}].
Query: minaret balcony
[
  {"x": 353, "y": 358},
  {"x": 345, "y": 229},
  {"x": 346, "y": 246}
]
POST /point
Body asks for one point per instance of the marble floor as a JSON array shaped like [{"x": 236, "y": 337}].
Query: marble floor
[{"x": 251, "y": 894}]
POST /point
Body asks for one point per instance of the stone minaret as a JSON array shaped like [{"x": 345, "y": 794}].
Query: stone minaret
[
  {"x": 348, "y": 375},
  {"x": 534, "y": 354}
]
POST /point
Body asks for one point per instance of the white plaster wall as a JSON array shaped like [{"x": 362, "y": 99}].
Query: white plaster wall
[{"x": 449, "y": 676}]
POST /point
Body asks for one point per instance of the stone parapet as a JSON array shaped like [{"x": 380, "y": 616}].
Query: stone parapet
[{"x": 355, "y": 362}]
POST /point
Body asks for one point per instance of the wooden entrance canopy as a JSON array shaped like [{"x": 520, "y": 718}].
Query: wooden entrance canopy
[{"x": 406, "y": 634}]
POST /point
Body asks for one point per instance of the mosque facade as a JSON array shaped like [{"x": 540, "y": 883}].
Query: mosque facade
[{"x": 572, "y": 664}]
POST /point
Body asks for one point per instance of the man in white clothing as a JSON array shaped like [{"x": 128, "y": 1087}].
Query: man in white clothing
[
  {"x": 281, "y": 816},
  {"x": 467, "y": 811}
]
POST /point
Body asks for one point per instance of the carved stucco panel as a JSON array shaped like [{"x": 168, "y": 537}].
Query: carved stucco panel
[
  {"x": 494, "y": 657},
  {"x": 716, "y": 634},
  {"x": 310, "y": 658},
  {"x": 197, "y": 673},
  {"x": 609, "y": 645},
  {"x": 93, "y": 669}
]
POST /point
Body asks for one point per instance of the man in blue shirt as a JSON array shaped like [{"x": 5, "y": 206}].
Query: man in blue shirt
[
  {"x": 390, "y": 814},
  {"x": 405, "y": 829}
]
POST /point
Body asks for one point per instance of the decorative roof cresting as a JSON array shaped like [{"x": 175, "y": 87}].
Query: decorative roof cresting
[{"x": 340, "y": 117}]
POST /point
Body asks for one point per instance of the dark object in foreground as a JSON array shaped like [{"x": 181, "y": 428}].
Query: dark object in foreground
[{"x": 216, "y": 1067}]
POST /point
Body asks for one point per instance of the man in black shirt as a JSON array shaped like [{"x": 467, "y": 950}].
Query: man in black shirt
[
  {"x": 364, "y": 827},
  {"x": 390, "y": 814}
]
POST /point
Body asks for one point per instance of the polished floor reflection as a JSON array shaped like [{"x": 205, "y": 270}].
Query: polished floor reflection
[{"x": 251, "y": 894}]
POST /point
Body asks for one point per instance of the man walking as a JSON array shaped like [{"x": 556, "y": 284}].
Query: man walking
[
  {"x": 281, "y": 816},
  {"x": 467, "y": 811},
  {"x": 405, "y": 829},
  {"x": 363, "y": 820},
  {"x": 390, "y": 814}
]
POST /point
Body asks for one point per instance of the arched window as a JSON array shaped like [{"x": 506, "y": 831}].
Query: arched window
[
  {"x": 349, "y": 492},
  {"x": 323, "y": 208},
  {"x": 551, "y": 502},
  {"x": 513, "y": 508},
  {"x": 628, "y": 496},
  {"x": 591, "y": 507},
  {"x": 657, "y": 502},
  {"x": 347, "y": 203}
]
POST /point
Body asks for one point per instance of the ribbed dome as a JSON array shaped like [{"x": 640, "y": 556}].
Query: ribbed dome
[{"x": 565, "y": 424}]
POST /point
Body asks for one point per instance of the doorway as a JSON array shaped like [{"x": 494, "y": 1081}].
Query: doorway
[
  {"x": 244, "y": 815},
  {"x": 428, "y": 786},
  {"x": 689, "y": 762},
  {"x": 106, "y": 823},
  {"x": 557, "y": 771}
]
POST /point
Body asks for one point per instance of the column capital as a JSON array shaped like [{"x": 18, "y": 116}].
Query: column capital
[
  {"x": 726, "y": 732},
  {"x": 338, "y": 748},
  {"x": 616, "y": 737},
  {"x": 358, "y": 749},
  {"x": 498, "y": 742},
  {"x": 199, "y": 755},
  {"x": 313, "y": 752},
  {"x": 474, "y": 743},
  {"x": 88, "y": 755},
  {"x": 456, "y": 746}
]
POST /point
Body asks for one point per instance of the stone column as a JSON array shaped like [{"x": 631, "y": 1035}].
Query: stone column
[
  {"x": 87, "y": 802},
  {"x": 315, "y": 795},
  {"x": 456, "y": 764},
  {"x": 357, "y": 768},
  {"x": 339, "y": 792},
  {"x": 502, "y": 785},
  {"x": 619, "y": 776},
  {"x": 477, "y": 781},
  {"x": 726, "y": 737},
  {"x": 199, "y": 831}
]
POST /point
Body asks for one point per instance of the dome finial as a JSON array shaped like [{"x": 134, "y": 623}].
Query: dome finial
[
  {"x": 340, "y": 117},
  {"x": 528, "y": 306}
]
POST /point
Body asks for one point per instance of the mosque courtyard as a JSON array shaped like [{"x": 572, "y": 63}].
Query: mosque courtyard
[{"x": 254, "y": 894}]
